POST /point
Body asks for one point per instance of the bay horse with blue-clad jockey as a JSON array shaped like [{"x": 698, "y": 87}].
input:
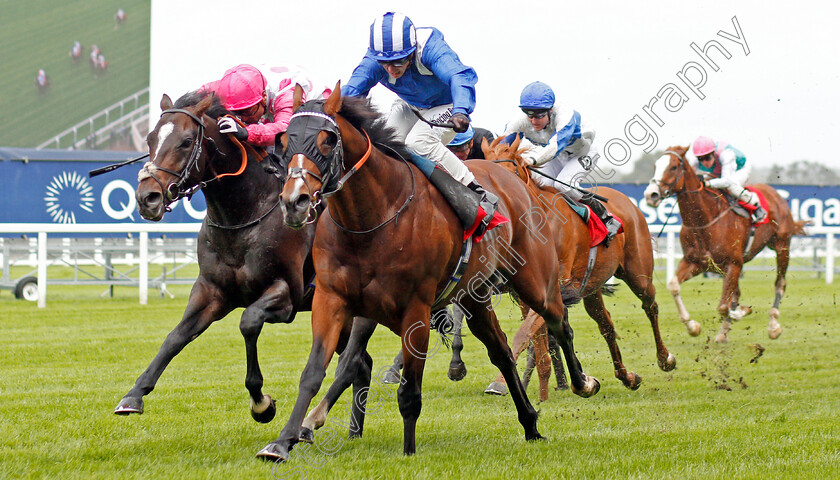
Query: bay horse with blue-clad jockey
[
  {"x": 387, "y": 249},
  {"x": 247, "y": 257},
  {"x": 715, "y": 238}
]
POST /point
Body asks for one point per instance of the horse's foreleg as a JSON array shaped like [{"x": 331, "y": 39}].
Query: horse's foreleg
[
  {"x": 457, "y": 369},
  {"x": 542, "y": 359},
  {"x": 415, "y": 346},
  {"x": 594, "y": 304},
  {"x": 485, "y": 326},
  {"x": 557, "y": 362},
  {"x": 354, "y": 367},
  {"x": 392, "y": 374},
  {"x": 273, "y": 307},
  {"x": 730, "y": 286},
  {"x": 521, "y": 340},
  {"x": 685, "y": 271},
  {"x": 329, "y": 317},
  {"x": 204, "y": 307}
]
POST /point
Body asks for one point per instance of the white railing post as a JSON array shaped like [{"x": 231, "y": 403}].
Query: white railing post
[
  {"x": 144, "y": 268},
  {"x": 829, "y": 258},
  {"x": 42, "y": 269},
  {"x": 670, "y": 255}
]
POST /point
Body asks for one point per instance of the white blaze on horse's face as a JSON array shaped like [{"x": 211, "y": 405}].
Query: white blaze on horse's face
[
  {"x": 652, "y": 194},
  {"x": 299, "y": 182},
  {"x": 163, "y": 132}
]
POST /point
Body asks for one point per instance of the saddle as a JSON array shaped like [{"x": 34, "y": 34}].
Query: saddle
[
  {"x": 596, "y": 227},
  {"x": 746, "y": 210}
]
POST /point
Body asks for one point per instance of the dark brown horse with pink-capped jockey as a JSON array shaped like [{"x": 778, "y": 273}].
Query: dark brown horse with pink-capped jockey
[
  {"x": 247, "y": 257},
  {"x": 716, "y": 238},
  {"x": 388, "y": 249},
  {"x": 587, "y": 264}
]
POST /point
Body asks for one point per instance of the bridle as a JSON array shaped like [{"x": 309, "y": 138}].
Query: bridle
[{"x": 176, "y": 190}]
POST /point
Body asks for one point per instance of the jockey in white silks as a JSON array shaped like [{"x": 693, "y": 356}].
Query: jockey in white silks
[
  {"x": 726, "y": 168},
  {"x": 561, "y": 144}
]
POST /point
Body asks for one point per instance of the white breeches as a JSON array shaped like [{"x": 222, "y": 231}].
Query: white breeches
[
  {"x": 428, "y": 141},
  {"x": 569, "y": 170}
]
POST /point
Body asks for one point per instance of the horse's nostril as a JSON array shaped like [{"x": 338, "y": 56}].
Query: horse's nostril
[{"x": 302, "y": 202}]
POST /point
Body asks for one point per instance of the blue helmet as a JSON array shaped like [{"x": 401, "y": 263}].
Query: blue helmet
[
  {"x": 392, "y": 37},
  {"x": 462, "y": 137},
  {"x": 536, "y": 96}
]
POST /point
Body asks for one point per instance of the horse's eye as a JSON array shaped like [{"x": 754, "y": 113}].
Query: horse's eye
[
  {"x": 329, "y": 142},
  {"x": 186, "y": 143}
]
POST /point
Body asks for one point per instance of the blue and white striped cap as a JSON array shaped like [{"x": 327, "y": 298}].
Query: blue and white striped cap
[{"x": 392, "y": 37}]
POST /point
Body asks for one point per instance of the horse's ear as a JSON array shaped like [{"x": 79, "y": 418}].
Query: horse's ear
[
  {"x": 203, "y": 105},
  {"x": 165, "y": 102},
  {"x": 485, "y": 147},
  {"x": 297, "y": 97},
  {"x": 333, "y": 104},
  {"x": 515, "y": 145}
]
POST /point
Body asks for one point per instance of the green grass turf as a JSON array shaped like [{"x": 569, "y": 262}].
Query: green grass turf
[
  {"x": 38, "y": 34},
  {"x": 64, "y": 368}
]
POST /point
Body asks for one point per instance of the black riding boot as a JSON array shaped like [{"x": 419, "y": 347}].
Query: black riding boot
[
  {"x": 465, "y": 200},
  {"x": 599, "y": 209}
]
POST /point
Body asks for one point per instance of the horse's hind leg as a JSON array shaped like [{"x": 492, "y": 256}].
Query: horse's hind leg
[
  {"x": 203, "y": 308},
  {"x": 685, "y": 271},
  {"x": 457, "y": 369},
  {"x": 642, "y": 286},
  {"x": 594, "y": 304},
  {"x": 521, "y": 340},
  {"x": 557, "y": 362},
  {"x": 774, "y": 329},
  {"x": 392, "y": 374},
  {"x": 354, "y": 367},
  {"x": 275, "y": 306},
  {"x": 485, "y": 326}
]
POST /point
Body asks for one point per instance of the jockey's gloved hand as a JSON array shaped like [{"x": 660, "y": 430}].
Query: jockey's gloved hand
[
  {"x": 529, "y": 159},
  {"x": 229, "y": 125},
  {"x": 461, "y": 122}
]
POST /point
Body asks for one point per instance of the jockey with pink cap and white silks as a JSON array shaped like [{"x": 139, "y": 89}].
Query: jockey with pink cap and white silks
[
  {"x": 262, "y": 97},
  {"x": 726, "y": 168}
]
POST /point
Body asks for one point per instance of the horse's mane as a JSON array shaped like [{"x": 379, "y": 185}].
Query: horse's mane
[
  {"x": 190, "y": 99},
  {"x": 362, "y": 115}
]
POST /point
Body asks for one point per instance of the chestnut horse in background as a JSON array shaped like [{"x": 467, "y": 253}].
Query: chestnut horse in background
[
  {"x": 629, "y": 258},
  {"x": 388, "y": 249},
  {"x": 715, "y": 238}
]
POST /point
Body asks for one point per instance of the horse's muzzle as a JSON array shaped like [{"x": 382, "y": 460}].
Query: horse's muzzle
[
  {"x": 652, "y": 195},
  {"x": 151, "y": 205},
  {"x": 296, "y": 209}
]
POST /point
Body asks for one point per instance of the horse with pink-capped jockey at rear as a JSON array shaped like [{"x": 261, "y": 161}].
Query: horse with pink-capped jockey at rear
[{"x": 720, "y": 233}]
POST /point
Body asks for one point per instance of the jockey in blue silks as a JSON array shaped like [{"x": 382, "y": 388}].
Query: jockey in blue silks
[
  {"x": 426, "y": 74},
  {"x": 561, "y": 144}
]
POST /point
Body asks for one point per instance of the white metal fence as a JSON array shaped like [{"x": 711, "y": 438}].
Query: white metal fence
[{"x": 812, "y": 247}]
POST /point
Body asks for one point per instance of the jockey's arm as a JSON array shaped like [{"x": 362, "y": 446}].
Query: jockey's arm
[
  {"x": 569, "y": 140},
  {"x": 728, "y": 166}
]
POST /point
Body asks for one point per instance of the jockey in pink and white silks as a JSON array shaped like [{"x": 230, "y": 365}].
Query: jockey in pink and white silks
[
  {"x": 726, "y": 168},
  {"x": 428, "y": 77},
  {"x": 262, "y": 97},
  {"x": 561, "y": 144}
]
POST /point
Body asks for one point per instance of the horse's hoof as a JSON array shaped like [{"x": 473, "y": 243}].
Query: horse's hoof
[
  {"x": 268, "y": 411},
  {"x": 669, "y": 364},
  {"x": 391, "y": 377},
  {"x": 693, "y": 328},
  {"x": 590, "y": 387},
  {"x": 307, "y": 435},
  {"x": 496, "y": 388},
  {"x": 274, "y": 452},
  {"x": 457, "y": 372},
  {"x": 534, "y": 438},
  {"x": 721, "y": 338},
  {"x": 773, "y": 333},
  {"x": 129, "y": 405},
  {"x": 635, "y": 383}
]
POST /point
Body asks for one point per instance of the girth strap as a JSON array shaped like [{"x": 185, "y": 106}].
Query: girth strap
[{"x": 455, "y": 278}]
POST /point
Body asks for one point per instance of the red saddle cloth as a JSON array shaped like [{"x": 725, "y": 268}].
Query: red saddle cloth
[
  {"x": 762, "y": 201},
  {"x": 498, "y": 219},
  {"x": 597, "y": 229}
]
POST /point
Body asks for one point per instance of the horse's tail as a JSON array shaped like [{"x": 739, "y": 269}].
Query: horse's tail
[
  {"x": 799, "y": 227},
  {"x": 609, "y": 289}
]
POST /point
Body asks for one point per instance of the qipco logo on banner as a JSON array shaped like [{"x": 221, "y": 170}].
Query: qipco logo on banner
[{"x": 119, "y": 203}]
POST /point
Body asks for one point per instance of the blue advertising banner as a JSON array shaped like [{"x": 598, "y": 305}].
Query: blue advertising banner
[{"x": 52, "y": 186}]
